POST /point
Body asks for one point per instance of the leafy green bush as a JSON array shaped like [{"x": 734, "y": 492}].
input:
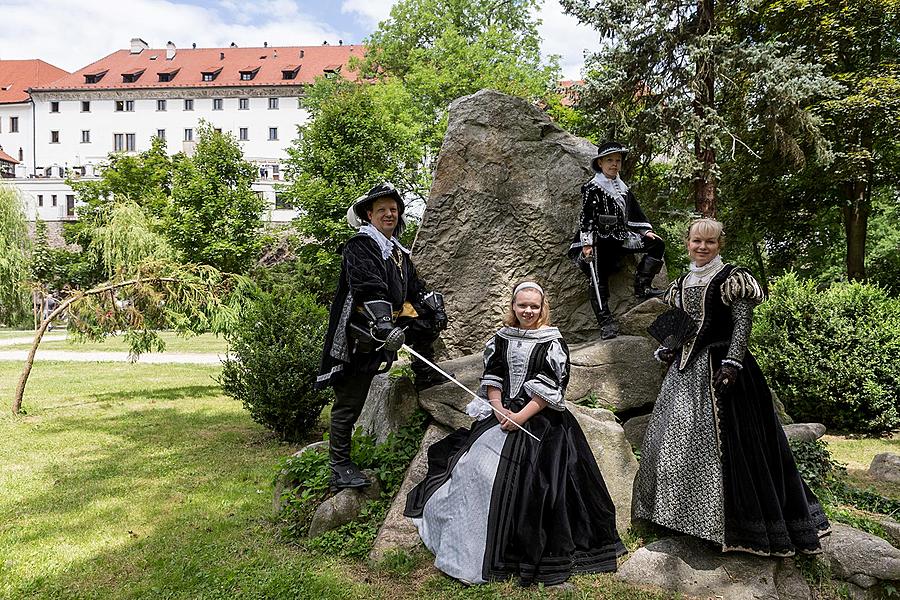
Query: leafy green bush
[
  {"x": 833, "y": 355},
  {"x": 389, "y": 460},
  {"x": 273, "y": 361}
]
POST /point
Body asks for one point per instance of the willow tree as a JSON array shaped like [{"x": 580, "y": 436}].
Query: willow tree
[{"x": 14, "y": 258}]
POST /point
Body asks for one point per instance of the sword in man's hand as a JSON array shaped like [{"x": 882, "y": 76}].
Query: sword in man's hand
[{"x": 471, "y": 393}]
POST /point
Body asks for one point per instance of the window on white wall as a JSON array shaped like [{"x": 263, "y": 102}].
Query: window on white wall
[
  {"x": 217, "y": 104},
  {"x": 273, "y": 133},
  {"x": 54, "y": 107},
  {"x": 243, "y": 103},
  {"x": 53, "y": 199},
  {"x": 189, "y": 135},
  {"x": 85, "y": 136},
  {"x": 243, "y": 134},
  {"x": 161, "y": 105},
  {"x": 161, "y": 134},
  {"x": 188, "y": 104},
  {"x": 130, "y": 142},
  {"x": 54, "y": 137},
  {"x": 14, "y": 124},
  {"x": 40, "y": 200},
  {"x": 118, "y": 142},
  {"x": 273, "y": 103},
  {"x": 85, "y": 106}
]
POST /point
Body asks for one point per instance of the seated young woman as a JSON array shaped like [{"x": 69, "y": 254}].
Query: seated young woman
[{"x": 496, "y": 503}]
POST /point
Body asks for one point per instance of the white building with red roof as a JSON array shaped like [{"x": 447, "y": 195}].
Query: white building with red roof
[
  {"x": 122, "y": 101},
  {"x": 16, "y": 122}
]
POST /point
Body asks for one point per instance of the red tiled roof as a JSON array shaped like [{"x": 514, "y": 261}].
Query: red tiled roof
[
  {"x": 4, "y": 157},
  {"x": 16, "y": 76},
  {"x": 192, "y": 62}
]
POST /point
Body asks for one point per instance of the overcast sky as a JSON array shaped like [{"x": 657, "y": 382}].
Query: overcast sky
[{"x": 71, "y": 34}]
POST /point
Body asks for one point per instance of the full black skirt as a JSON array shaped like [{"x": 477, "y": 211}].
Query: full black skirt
[{"x": 550, "y": 514}]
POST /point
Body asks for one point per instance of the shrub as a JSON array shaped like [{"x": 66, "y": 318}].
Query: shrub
[
  {"x": 833, "y": 355},
  {"x": 273, "y": 361}
]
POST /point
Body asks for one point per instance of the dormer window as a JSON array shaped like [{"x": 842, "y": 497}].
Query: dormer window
[
  {"x": 290, "y": 72},
  {"x": 94, "y": 76},
  {"x": 132, "y": 76},
  {"x": 248, "y": 73},
  {"x": 169, "y": 75},
  {"x": 331, "y": 70},
  {"x": 211, "y": 73}
]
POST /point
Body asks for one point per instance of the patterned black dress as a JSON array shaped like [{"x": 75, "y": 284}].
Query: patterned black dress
[
  {"x": 495, "y": 504},
  {"x": 720, "y": 468}
]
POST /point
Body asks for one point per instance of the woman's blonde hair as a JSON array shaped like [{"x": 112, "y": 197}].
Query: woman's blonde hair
[
  {"x": 707, "y": 227},
  {"x": 510, "y": 319}
]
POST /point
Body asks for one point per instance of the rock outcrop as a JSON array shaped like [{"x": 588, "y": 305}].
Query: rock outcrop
[
  {"x": 806, "y": 432},
  {"x": 343, "y": 507},
  {"x": 397, "y": 531},
  {"x": 389, "y": 405},
  {"x": 886, "y": 467},
  {"x": 503, "y": 207}
]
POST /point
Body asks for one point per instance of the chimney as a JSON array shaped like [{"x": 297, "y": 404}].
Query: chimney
[
  {"x": 194, "y": 45},
  {"x": 265, "y": 44},
  {"x": 275, "y": 53},
  {"x": 138, "y": 45},
  {"x": 221, "y": 56},
  {"x": 170, "y": 51},
  {"x": 340, "y": 42},
  {"x": 302, "y": 53}
]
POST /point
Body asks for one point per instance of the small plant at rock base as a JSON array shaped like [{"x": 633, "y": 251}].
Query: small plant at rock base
[{"x": 399, "y": 563}]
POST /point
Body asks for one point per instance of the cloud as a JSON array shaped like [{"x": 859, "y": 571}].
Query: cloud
[
  {"x": 562, "y": 34},
  {"x": 72, "y": 35},
  {"x": 370, "y": 12}
]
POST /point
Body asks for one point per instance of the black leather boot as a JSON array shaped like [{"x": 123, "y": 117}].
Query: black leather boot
[
  {"x": 609, "y": 328},
  {"x": 643, "y": 278}
]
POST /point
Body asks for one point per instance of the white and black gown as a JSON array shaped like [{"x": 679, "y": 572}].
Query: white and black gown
[
  {"x": 719, "y": 467},
  {"x": 495, "y": 504}
]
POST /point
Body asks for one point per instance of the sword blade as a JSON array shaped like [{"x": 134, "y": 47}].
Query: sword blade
[
  {"x": 594, "y": 280},
  {"x": 463, "y": 386}
]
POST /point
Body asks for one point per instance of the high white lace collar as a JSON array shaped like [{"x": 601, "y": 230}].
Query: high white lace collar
[
  {"x": 614, "y": 187},
  {"x": 703, "y": 274},
  {"x": 386, "y": 245}
]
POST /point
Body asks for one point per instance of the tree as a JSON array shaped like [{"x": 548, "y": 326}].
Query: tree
[
  {"x": 15, "y": 248},
  {"x": 213, "y": 216},
  {"x": 443, "y": 49},
  {"x": 680, "y": 80},
  {"x": 858, "y": 44}
]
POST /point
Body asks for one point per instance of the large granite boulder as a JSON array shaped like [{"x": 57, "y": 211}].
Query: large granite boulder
[
  {"x": 620, "y": 374},
  {"x": 862, "y": 560},
  {"x": 503, "y": 207},
  {"x": 697, "y": 569},
  {"x": 389, "y": 405},
  {"x": 804, "y": 432},
  {"x": 886, "y": 467},
  {"x": 635, "y": 429},
  {"x": 398, "y": 531},
  {"x": 343, "y": 507}
]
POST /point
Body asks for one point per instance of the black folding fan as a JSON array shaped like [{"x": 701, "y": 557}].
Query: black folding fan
[{"x": 673, "y": 329}]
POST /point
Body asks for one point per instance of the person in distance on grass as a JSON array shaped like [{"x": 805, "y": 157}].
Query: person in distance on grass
[
  {"x": 715, "y": 462},
  {"x": 380, "y": 303},
  {"x": 496, "y": 503}
]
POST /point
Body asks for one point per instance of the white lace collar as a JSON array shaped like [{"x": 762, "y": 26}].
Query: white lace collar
[
  {"x": 386, "y": 245},
  {"x": 703, "y": 274},
  {"x": 614, "y": 187}
]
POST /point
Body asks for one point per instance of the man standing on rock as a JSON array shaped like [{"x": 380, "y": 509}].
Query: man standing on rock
[
  {"x": 612, "y": 225},
  {"x": 380, "y": 303}
]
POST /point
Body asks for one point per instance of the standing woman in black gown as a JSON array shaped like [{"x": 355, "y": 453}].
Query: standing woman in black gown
[
  {"x": 715, "y": 462},
  {"x": 496, "y": 503}
]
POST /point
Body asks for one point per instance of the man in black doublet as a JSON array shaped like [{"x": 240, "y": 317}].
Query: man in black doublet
[
  {"x": 380, "y": 301},
  {"x": 612, "y": 225}
]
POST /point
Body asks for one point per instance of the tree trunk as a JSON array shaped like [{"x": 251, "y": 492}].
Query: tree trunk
[
  {"x": 856, "y": 221},
  {"x": 705, "y": 183}
]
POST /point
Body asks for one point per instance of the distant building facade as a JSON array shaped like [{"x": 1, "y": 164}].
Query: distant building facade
[{"x": 122, "y": 101}]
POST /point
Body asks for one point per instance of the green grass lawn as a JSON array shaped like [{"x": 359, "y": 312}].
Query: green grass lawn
[
  {"x": 857, "y": 454},
  {"x": 143, "y": 481},
  {"x": 205, "y": 343}
]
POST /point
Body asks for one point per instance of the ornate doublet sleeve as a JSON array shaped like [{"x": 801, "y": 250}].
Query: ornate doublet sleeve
[
  {"x": 671, "y": 296},
  {"x": 586, "y": 220},
  {"x": 549, "y": 382},
  {"x": 494, "y": 367},
  {"x": 742, "y": 293}
]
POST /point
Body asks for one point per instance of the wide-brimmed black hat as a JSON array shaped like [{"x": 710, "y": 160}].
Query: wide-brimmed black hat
[
  {"x": 357, "y": 214},
  {"x": 607, "y": 148}
]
